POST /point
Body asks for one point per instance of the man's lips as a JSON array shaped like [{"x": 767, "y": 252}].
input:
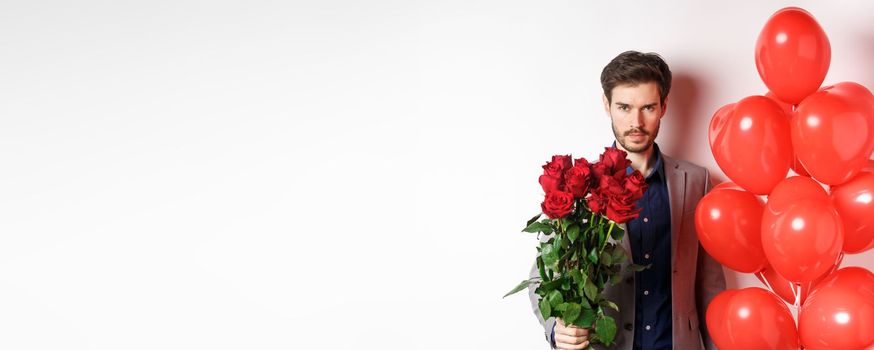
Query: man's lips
[{"x": 636, "y": 136}]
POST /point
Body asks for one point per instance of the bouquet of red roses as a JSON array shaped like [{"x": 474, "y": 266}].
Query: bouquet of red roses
[{"x": 577, "y": 259}]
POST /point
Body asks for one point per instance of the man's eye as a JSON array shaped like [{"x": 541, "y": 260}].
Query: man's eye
[{"x": 650, "y": 108}]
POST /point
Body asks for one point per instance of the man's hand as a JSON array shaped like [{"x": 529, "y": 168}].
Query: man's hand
[{"x": 570, "y": 337}]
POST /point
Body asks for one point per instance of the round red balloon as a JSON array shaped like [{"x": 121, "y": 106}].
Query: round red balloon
[
  {"x": 751, "y": 318},
  {"x": 796, "y": 165},
  {"x": 717, "y": 122},
  {"x": 833, "y": 132},
  {"x": 854, "y": 201},
  {"x": 804, "y": 241},
  {"x": 788, "y": 192},
  {"x": 751, "y": 143},
  {"x": 792, "y": 54},
  {"x": 715, "y": 315},
  {"x": 787, "y": 107},
  {"x": 728, "y": 223},
  {"x": 839, "y": 314}
]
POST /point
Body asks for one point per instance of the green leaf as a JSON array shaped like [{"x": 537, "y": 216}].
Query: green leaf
[
  {"x": 576, "y": 275},
  {"x": 617, "y": 233},
  {"x": 606, "y": 258},
  {"x": 540, "y": 267},
  {"x": 638, "y": 268},
  {"x": 533, "y": 219},
  {"x": 590, "y": 290},
  {"x": 520, "y": 287},
  {"x": 550, "y": 256},
  {"x": 573, "y": 232},
  {"x": 557, "y": 245},
  {"x": 554, "y": 298},
  {"x": 545, "y": 309},
  {"x": 605, "y": 327},
  {"x": 538, "y": 227},
  {"x": 616, "y": 278},
  {"x": 571, "y": 313},
  {"x": 565, "y": 223},
  {"x": 618, "y": 254},
  {"x": 611, "y": 304},
  {"x": 581, "y": 283},
  {"x": 561, "y": 307},
  {"x": 547, "y": 286},
  {"x": 585, "y": 303},
  {"x": 593, "y": 255},
  {"x": 586, "y": 319},
  {"x": 566, "y": 284}
]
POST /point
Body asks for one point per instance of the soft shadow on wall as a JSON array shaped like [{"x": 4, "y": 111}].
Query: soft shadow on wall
[
  {"x": 686, "y": 131},
  {"x": 682, "y": 104},
  {"x": 685, "y": 125}
]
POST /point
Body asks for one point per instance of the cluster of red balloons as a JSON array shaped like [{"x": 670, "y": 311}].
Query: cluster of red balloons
[{"x": 794, "y": 241}]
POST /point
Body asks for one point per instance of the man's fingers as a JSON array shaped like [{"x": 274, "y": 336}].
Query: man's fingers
[
  {"x": 567, "y": 346},
  {"x": 577, "y": 331},
  {"x": 569, "y": 340},
  {"x": 572, "y": 331}
]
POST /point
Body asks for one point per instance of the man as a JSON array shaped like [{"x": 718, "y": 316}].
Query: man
[{"x": 664, "y": 306}]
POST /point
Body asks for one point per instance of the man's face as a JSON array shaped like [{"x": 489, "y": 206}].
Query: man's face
[{"x": 636, "y": 113}]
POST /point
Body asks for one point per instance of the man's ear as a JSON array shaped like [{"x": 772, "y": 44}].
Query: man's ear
[{"x": 606, "y": 104}]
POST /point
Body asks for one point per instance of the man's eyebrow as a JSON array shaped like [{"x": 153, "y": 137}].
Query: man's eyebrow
[{"x": 620, "y": 104}]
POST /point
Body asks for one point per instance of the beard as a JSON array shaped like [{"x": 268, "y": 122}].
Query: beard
[{"x": 633, "y": 147}]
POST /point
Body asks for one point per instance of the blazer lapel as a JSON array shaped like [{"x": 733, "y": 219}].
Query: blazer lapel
[{"x": 676, "y": 177}]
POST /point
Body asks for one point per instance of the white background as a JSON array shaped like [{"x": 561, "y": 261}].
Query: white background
[{"x": 332, "y": 174}]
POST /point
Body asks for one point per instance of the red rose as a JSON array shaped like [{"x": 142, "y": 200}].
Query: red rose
[
  {"x": 636, "y": 184},
  {"x": 597, "y": 203},
  {"x": 601, "y": 182},
  {"x": 614, "y": 199},
  {"x": 564, "y": 162},
  {"x": 600, "y": 170},
  {"x": 621, "y": 205},
  {"x": 616, "y": 161},
  {"x": 620, "y": 200},
  {"x": 557, "y": 204},
  {"x": 553, "y": 173},
  {"x": 557, "y": 166},
  {"x": 577, "y": 179},
  {"x": 621, "y": 212},
  {"x": 550, "y": 183}
]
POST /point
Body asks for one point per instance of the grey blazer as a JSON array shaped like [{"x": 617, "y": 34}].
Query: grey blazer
[{"x": 696, "y": 277}]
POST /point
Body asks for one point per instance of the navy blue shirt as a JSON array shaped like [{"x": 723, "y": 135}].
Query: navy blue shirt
[{"x": 650, "y": 238}]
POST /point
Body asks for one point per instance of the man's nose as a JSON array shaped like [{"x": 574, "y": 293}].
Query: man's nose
[{"x": 637, "y": 118}]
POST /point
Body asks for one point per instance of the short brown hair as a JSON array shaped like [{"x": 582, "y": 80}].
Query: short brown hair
[{"x": 633, "y": 67}]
